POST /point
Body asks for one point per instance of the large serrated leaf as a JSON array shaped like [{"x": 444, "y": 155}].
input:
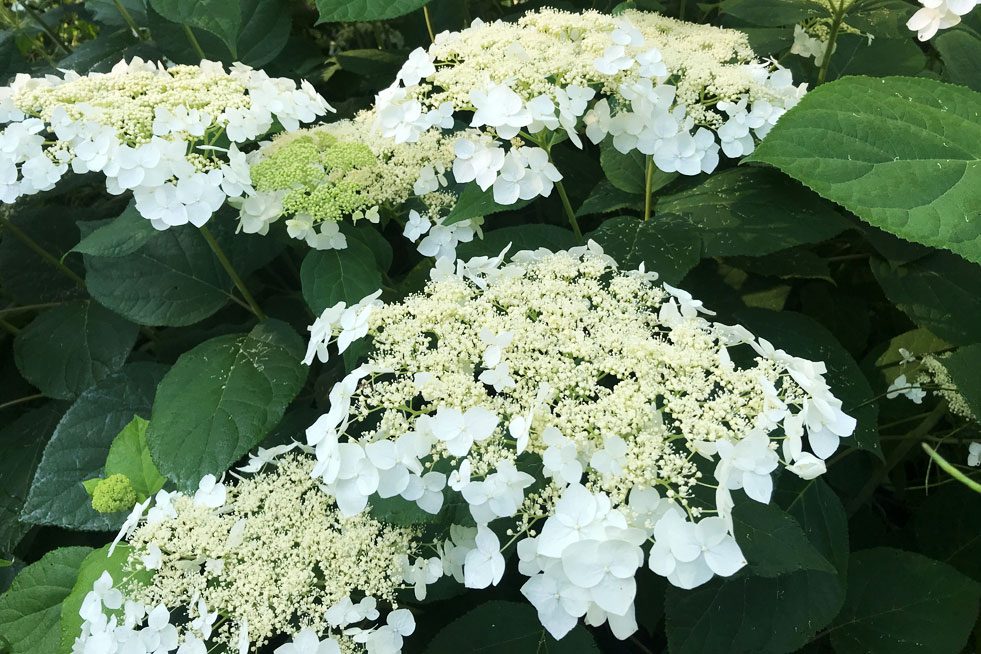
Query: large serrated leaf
[
  {"x": 903, "y": 154},
  {"x": 30, "y": 611},
  {"x": 664, "y": 244},
  {"x": 332, "y": 276},
  {"x": 336, "y": 11},
  {"x": 752, "y": 211},
  {"x": 904, "y": 603},
  {"x": 773, "y": 542},
  {"x": 78, "y": 448},
  {"x": 67, "y": 349},
  {"x": 221, "y": 399}
]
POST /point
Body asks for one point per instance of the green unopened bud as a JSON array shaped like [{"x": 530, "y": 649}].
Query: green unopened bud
[{"x": 113, "y": 494}]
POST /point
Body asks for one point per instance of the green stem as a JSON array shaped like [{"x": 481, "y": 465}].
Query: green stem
[
  {"x": 648, "y": 179},
  {"x": 429, "y": 22},
  {"x": 29, "y": 307},
  {"x": 41, "y": 252},
  {"x": 6, "y": 326},
  {"x": 46, "y": 29},
  {"x": 194, "y": 42},
  {"x": 21, "y": 400},
  {"x": 124, "y": 12},
  {"x": 681, "y": 10},
  {"x": 836, "y": 21},
  {"x": 951, "y": 470},
  {"x": 570, "y": 214},
  {"x": 230, "y": 269},
  {"x": 897, "y": 455}
]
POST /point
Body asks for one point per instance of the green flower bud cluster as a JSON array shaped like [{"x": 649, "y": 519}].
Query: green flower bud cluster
[{"x": 113, "y": 494}]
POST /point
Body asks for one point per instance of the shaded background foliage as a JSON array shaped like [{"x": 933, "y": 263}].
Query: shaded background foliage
[{"x": 103, "y": 319}]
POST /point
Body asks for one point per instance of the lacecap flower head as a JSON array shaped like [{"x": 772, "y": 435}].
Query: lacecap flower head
[
  {"x": 169, "y": 135},
  {"x": 591, "y": 417},
  {"x": 675, "y": 91},
  {"x": 269, "y": 560}
]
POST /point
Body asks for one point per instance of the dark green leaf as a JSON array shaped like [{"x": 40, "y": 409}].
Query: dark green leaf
[
  {"x": 223, "y": 18},
  {"x": 332, "y": 276},
  {"x": 753, "y": 211},
  {"x": 964, "y": 366},
  {"x": 773, "y": 542},
  {"x": 122, "y": 235},
  {"x": 173, "y": 279},
  {"x": 751, "y": 615},
  {"x": 899, "y": 602},
  {"x": 474, "y": 203},
  {"x": 605, "y": 197},
  {"x": 901, "y": 153},
  {"x": 628, "y": 172},
  {"x": 666, "y": 246},
  {"x": 820, "y": 514},
  {"x": 802, "y": 337},
  {"x": 794, "y": 263},
  {"x": 78, "y": 448},
  {"x": 506, "y": 628},
  {"x": 384, "y": 63},
  {"x": 337, "y": 11},
  {"x": 26, "y": 275},
  {"x": 21, "y": 445},
  {"x": 30, "y": 612},
  {"x": 961, "y": 51},
  {"x": 947, "y": 525},
  {"x": 221, "y": 399},
  {"x": 770, "y": 13},
  {"x": 67, "y": 349},
  {"x": 941, "y": 292},
  {"x": 856, "y": 55}
]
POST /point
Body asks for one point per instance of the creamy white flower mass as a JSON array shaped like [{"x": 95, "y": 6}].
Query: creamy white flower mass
[
  {"x": 674, "y": 91},
  {"x": 149, "y": 129},
  {"x": 589, "y": 417},
  {"x": 240, "y": 566}
]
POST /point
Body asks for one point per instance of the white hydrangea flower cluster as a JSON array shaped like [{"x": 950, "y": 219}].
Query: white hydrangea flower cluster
[
  {"x": 244, "y": 566},
  {"x": 345, "y": 169},
  {"x": 672, "y": 90},
  {"x": 148, "y": 129},
  {"x": 577, "y": 411},
  {"x": 928, "y": 371},
  {"x": 936, "y": 15}
]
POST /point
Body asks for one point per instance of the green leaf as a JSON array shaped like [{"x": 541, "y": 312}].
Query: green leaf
[
  {"x": 800, "y": 336},
  {"x": 855, "y": 55},
  {"x": 519, "y": 237},
  {"x": 331, "y": 276},
  {"x": 947, "y": 526},
  {"x": 474, "y": 203},
  {"x": 940, "y": 292},
  {"x": 21, "y": 445},
  {"x": 605, "y": 197},
  {"x": 370, "y": 62},
  {"x": 122, "y": 235},
  {"x": 172, "y": 280},
  {"x": 751, "y": 615},
  {"x": 899, "y": 602},
  {"x": 368, "y": 236},
  {"x": 26, "y": 276},
  {"x": 67, "y": 349},
  {"x": 80, "y": 444},
  {"x": 917, "y": 341},
  {"x": 960, "y": 50},
  {"x": 666, "y": 246},
  {"x": 769, "y": 13},
  {"x": 753, "y": 211},
  {"x": 130, "y": 456},
  {"x": 627, "y": 172},
  {"x": 223, "y": 18},
  {"x": 91, "y": 568},
  {"x": 773, "y": 542},
  {"x": 819, "y": 512},
  {"x": 339, "y": 11},
  {"x": 499, "y": 627},
  {"x": 221, "y": 399},
  {"x": 30, "y": 612},
  {"x": 963, "y": 366},
  {"x": 793, "y": 263},
  {"x": 900, "y": 153}
]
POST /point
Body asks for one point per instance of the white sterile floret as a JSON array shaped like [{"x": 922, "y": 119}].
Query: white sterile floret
[
  {"x": 148, "y": 129},
  {"x": 909, "y": 390},
  {"x": 808, "y": 46},
  {"x": 936, "y": 15},
  {"x": 974, "y": 454},
  {"x": 567, "y": 404},
  {"x": 477, "y": 162}
]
